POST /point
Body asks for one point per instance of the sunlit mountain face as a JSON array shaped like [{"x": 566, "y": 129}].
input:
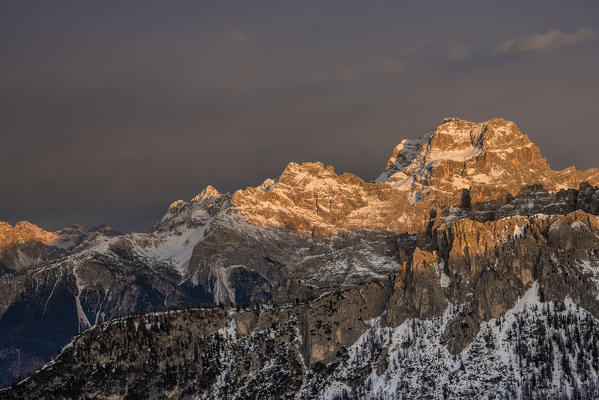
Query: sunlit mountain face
[{"x": 468, "y": 263}]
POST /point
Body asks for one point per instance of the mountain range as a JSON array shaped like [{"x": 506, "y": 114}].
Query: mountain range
[{"x": 467, "y": 268}]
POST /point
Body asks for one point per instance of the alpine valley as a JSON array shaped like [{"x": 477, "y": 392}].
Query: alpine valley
[{"x": 468, "y": 268}]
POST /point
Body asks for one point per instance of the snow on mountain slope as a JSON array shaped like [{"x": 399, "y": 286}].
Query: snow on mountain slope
[
  {"x": 172, "y": 240},
  {"x": 543, "y": 350},
  {"x": 536, "y": 349}
]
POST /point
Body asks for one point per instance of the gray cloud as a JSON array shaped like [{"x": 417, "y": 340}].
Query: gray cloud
[
  {"x": 543, "y": 42},
  {"x": 458, "y": 51}
]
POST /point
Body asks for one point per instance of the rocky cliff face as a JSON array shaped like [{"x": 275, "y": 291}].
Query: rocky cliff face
[
  {"x": 459, "y": 226},
  {"x": 500, "y": 309},
  {"x": 490, "y": 159}
]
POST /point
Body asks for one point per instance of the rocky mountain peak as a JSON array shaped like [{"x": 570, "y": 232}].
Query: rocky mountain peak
[
  {"x": 308, "y": 174},
  {"x": 175, "y": 207},
  {"x": 457, "y": 141},
  {"x": 489, "y": 159},
  {"x": 27, "y": 245},
  {"x": 182, "y": 214},
  {"x": 208, "y": 193},
  {"x": 307, "y": 198},
  {"x": 493, "y": 135},
  {"x": 460, "y": 163},
  {"x": 24, "y": 231}
]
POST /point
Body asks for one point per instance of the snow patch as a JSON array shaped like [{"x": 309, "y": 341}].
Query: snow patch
[
  {"x": 518, "y": 231},
  {"x": 454, "y": 155},
  {"x": 223, "y": 292},
  {"x": 444, "y": 280},
  {"x": 593, "y": 271}
]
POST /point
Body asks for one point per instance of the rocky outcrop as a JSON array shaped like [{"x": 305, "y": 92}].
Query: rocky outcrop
[
  {"x": 488, "y": 266},
  {"x": 336, "y": 321}
]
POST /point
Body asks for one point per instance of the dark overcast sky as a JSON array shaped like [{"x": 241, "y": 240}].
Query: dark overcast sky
[{"x": 111, "y": 110}]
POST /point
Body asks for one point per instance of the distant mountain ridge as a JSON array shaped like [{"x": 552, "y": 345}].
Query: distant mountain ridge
[{"x": 312, "y": 232}]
